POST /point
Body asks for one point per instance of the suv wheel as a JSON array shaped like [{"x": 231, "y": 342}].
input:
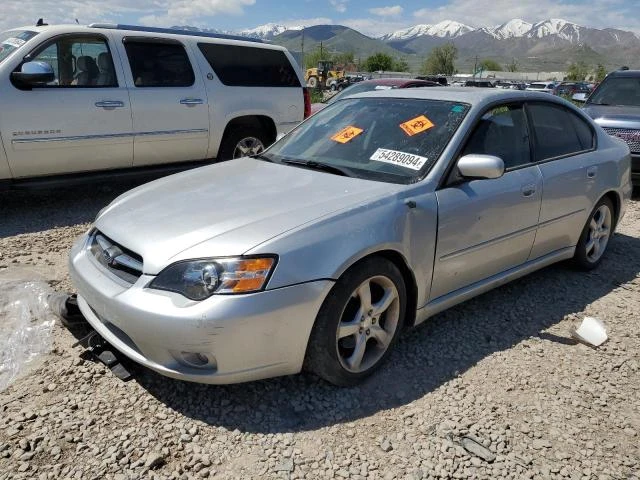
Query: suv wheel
[{"x": 242, "y": 142}]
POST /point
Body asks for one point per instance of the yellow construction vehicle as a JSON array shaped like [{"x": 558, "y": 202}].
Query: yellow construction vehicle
[{"x": 323, "y": 75}]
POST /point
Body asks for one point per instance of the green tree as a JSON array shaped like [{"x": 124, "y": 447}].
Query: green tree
[
  {"x": 577, "y": 71},
  {"x": 491, "y": 65},
  {"x": 441, "y": 60},
  {"x": 378, "y": 61},
  {"x": 312, "y": 58},
  {"x": 400, "y": 65},
  {"x": 344, "y": 58},
  {"x": 513, "y": 66},
  {"x": 601, "y": 72}
]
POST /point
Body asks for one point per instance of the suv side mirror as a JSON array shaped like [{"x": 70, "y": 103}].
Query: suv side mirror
[
  {"x": 480, "y": 166},
  {"x": 580, "y": 97},
  {"x": 33, "y": 74}
]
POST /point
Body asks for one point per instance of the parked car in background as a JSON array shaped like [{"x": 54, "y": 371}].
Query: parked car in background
[
  {"x": 78, "y": 99},
  {"x": 373, "y": 215},
  {"x": 543, "y": 87},
  {"x": 442, "y": 80},
  {"x": 567, "y": 89},
  {"x": 375, "y": 84},
  {"x": 615, "y": 106},
  {"x": 479, "y": 83}
]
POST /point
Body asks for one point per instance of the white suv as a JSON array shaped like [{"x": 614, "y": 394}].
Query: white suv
[{"x": 77, "y": 99}]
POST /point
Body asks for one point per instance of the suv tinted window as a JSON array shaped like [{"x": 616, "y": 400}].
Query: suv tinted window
[
  {"x": 558, "y": 131},
  {"x": 158, "y": 64},
  {"x": 502, "y": 132},
  {"x": 79, "y": 62},
  {"x": 250, "y": 66}
]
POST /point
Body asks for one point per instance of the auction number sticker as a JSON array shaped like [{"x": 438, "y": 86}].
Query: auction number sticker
[
  {"x": 402, "y": 159},
  {"x": 417, "y": 125},
  {"x": 14, "y": 42},
  {"x": 347, "y": 134}
]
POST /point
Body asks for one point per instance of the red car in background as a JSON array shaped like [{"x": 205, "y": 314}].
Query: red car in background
[{"x": 375, "y": 84}]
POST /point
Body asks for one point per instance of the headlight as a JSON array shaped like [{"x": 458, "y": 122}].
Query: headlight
[{"x": 199, "y": 279}]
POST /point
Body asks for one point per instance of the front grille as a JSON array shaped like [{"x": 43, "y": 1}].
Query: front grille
[
  {"x": 118, "y": 260},
  {"x": 629, "y": 135}
]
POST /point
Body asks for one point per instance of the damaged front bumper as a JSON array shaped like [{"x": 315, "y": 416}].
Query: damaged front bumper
[{"x": 224, "y": 339}]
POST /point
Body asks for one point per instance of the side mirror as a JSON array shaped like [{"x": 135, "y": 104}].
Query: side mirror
[
  {"x": 481, "y": 166},
  {"x": 34, "y": 74},
  {"x": 580, "y": 97}
]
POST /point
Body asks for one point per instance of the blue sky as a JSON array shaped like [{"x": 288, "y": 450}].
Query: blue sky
[{"x": 373, "y": 17}]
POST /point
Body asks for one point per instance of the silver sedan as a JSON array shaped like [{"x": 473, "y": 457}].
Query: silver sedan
[{"x": 368, "y": 218}]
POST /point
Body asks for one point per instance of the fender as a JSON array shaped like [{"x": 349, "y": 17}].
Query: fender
[{"x": 5, "y": 171}]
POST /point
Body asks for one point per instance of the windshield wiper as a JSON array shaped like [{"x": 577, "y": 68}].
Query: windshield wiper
[{"x": 325, "y": 167}]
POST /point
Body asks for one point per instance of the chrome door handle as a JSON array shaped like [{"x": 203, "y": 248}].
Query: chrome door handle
[
  {"x": 191, "y": 101},
  {"x": 528, "y": 190},
  {"x": 592, "y": 172},
  {"x": 110, "y": 104}
]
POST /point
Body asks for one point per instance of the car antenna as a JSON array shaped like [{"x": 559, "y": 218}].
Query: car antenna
[
  {"x": 77, "y": 21},
  {"x": 40, "y": 23}
]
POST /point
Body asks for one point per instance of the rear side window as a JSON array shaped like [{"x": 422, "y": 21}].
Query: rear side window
[
  {"x": 558, "y": 131},
  {"x": 239, "y": 66},
  {"x": 158, "y": 64}
]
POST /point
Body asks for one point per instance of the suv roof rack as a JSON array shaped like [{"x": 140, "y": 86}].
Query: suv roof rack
[{"x": 173, "y": 31}]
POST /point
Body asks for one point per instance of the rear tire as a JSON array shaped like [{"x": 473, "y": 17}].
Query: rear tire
[
  {"x": 595, "y": 236},
  {"x": 312, "y": 82},
  {"x": 358, "y": 323},
  {"x": 242, "y": 142}
]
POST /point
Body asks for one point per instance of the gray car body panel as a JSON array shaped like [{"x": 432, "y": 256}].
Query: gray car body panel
[{"x": 457, "y": 240}]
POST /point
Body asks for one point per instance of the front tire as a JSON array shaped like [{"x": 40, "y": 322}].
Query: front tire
[
  {"x": 358, "y": 323},
  {"x": 242, "y": 142},
  {"x": 595, "y": 236}
]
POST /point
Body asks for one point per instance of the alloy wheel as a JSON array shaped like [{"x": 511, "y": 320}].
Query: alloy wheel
[
  {"x": 368, "y": 324},
  {"x": 248, "y": 146},
  {"x": 599, "y": 233}
]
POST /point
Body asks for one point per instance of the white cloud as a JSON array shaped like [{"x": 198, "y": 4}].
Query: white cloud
[
  {"x": 339, "y": 5},
  {"x": 604, "y": 13},
  {"x": 391, "y": 11},
  {"x": 156, "y": 12},
  {"x": 373, "y": 27}
]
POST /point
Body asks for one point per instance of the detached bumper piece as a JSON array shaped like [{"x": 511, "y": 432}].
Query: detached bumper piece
[{"x": 66, "y": 307}]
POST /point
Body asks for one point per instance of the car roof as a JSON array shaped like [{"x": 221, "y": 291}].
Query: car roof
[
  {"x": 152, "y": 32},
  {"x": 396, "y": 82},
  {"x": 625, "y": 73},
  {"x": 473, "y": 96}
]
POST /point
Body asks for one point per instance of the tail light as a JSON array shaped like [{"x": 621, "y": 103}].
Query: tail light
[{"x": 307, "y": 102}]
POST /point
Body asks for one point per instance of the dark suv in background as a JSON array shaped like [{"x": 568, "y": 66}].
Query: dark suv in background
[{"x": 615, "y": 106}]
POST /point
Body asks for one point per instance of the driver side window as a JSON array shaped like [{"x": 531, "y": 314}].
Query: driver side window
[
  {"x": 79, "y": 62},
  {"x": 502, "y": 131}
]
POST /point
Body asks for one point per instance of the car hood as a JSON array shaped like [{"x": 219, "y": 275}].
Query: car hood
[
  {"x": 226, "y": 209},
  {"x": 614, "y": 116}
]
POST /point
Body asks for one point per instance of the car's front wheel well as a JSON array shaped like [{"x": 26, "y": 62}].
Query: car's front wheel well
[{"x": 409, "y": 280}]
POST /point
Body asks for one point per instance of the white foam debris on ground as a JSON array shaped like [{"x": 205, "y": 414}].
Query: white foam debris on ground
[{"x": 26, "y": 325}]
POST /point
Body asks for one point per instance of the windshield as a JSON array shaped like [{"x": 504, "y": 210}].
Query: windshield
[
  {"x": 359, "y": 88},
  {"x": 12, "y": 40},
  {"x": 623, "y": 91},
  {"x": 394, "y": 140}
]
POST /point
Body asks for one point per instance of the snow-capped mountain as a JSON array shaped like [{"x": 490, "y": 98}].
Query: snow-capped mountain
[
  {"x": 445, "y": 29},
  {"x": 516, "y": 28},
  {"x": 512, "y": 29},
  {"x": 267, "y": 31}
]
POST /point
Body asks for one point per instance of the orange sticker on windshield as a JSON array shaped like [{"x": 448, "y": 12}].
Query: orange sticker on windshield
[
  {"x": 347, "y": 134},
  {"x": 416, "y": 125}
]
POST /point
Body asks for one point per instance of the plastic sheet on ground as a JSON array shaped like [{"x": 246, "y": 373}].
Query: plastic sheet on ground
[{"x": 26, "y": 326}]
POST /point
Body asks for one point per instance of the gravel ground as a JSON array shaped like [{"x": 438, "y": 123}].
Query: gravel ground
[{"x": 494, "y": 388}]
